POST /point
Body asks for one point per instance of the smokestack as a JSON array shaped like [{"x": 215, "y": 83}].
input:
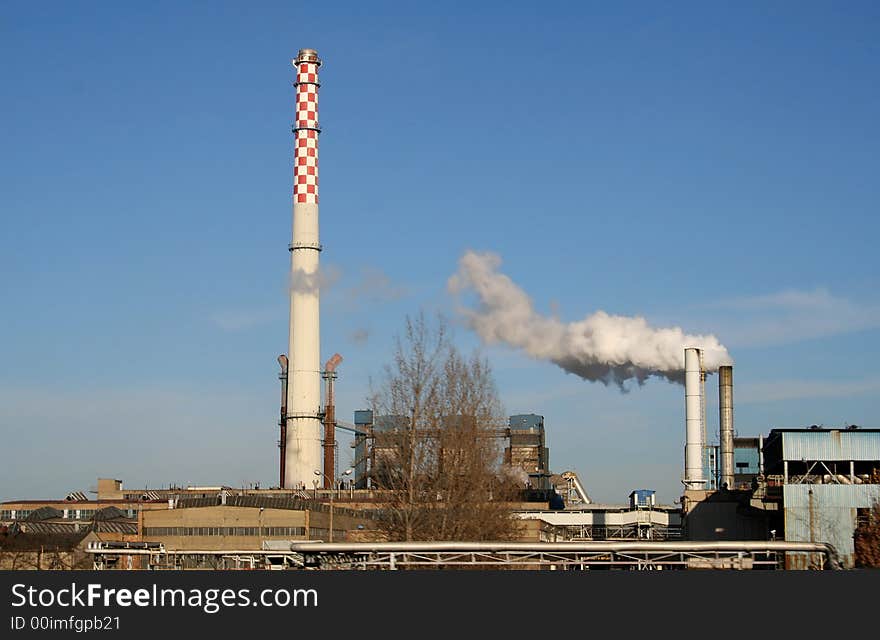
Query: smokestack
[
  {"x": 282, "y": 441},
  {"x": 330, "y": 423},
  {"x": 303, "y": 446},
  {"x": 693, "y": 398},
  {"x": 725, "y": 422}
]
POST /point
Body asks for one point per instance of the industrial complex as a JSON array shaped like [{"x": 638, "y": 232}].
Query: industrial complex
[{"x": 786, "y": 499}]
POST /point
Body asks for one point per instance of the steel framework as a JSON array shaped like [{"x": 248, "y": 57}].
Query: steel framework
[{"x": 566, "y": 556}]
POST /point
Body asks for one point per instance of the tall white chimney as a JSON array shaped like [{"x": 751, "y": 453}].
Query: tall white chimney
[
  {"x": 725, "y": 424},
  {"x": 693, "y": 405},
  {"x": 303, "y": 437}
]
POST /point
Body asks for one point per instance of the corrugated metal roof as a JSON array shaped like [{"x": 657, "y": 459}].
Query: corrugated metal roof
[
  {"x": 108, "y": 513},
  {"x": 832, "y": 517},
  {"x": 271, "y": 502},
  {"x": 44, "y": 513},
  {"x": 67, "y": 527},
  {"x": 831, "y": 445}
]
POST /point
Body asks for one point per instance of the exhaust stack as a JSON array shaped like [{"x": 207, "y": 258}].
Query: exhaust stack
[
  {"x": 330, "y": 422},
  {"x": 693, "y": 452},
  {"x": 282, "y": 441},
  {"x": 303, "y": 433},
  {"x": 725, "y": 422}
]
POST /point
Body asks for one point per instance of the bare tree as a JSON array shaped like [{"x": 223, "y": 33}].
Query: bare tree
[
  {"x": 866, "y": 538},
  {"x": 437, "y": 451}
]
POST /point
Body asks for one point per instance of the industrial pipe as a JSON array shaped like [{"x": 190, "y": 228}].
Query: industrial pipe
[
  {"x": 693, "y": 452},
  {"x": 282, "y": 442},
  {"x": 725, "y": 424}
]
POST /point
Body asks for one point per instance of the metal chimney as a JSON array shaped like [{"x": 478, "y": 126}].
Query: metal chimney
[
  {"x": 693, "y": 399},
  {"x": 303, "y": 436},
  {"x": 282, "y": 441},
  {"x": 330, "y": 423},
  {"x": 725, "y": 422}
]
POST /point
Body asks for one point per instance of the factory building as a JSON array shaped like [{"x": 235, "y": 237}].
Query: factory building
[
  {"x": 527, "y": 451},
  {"x": 642, "y": 519},
  {"x": 77, "y": 508},
  {"x": 746, "y": 463},
  {"x": 525, "y": 448},
  {"x": 799, "y": 485},
  {"x": 809, "y": 485},
  {"x": 244, "y": 522},
  {"x": 824, "y": 481},
  {"x": 208, "y": 518}
]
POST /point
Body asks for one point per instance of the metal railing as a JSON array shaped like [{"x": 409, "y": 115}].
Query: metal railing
[{"x": 566, "y": 556}]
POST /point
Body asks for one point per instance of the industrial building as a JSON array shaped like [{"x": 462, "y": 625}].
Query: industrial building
[
  {"x": 612, "y": 522},
  {"x": 524, "y": 448},
  {"x": 800, "y": 485},
  {"x": 824, "y": 481},
  {"x": 527, "y": 450},
  {"x": 808, "y": 485}
]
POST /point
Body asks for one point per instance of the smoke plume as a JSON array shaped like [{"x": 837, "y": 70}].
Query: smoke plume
[
  {"x": 323, "y": 278},
  {"x": 600, "y": 348}
]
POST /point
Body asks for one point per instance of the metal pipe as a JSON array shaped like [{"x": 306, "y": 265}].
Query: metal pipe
[
  {"x": 467, "y": 547},
  {"x": 725, "y": 424},
  {"x": 303, "y": 446},
  {"x": 693, "y": 453},
  {"x": 761, "y": 455},
  {"x": 282, "y": 442},
  {"x": 317, "y": 547},
  {"x": 747, "y": 546}
]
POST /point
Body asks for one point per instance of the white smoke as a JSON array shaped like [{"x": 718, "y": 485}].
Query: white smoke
[
  {"x": 600, "y": 348},
  {"x": 305, "y": 282}
]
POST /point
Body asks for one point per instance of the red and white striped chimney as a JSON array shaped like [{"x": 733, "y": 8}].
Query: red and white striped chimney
[{"x": 303, "y": 438}]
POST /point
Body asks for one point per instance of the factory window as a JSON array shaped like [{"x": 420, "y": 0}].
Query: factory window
[
  {"x": 232, "y": 531},
  {"x": 285, "y": 531}
]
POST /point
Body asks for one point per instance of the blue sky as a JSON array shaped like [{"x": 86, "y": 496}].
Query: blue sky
[{"x": 711, "y": 166}]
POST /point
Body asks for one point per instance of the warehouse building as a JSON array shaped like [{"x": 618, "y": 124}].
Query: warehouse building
[{"x": 824, "y": 480}]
